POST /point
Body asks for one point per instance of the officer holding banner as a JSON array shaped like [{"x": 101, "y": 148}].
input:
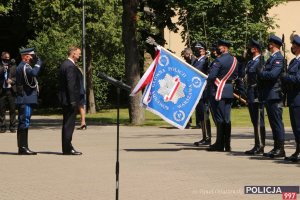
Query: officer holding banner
[
  {"x": 255, "y": 106},
  {"x": 222, "y": 73},
  {"x": 269, "y": 76},
  {"x": 291, "y": 80}
]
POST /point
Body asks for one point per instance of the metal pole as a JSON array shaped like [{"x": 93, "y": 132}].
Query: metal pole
[
  {"x": 204, "y": 27},
  {"x": 188, "y": 31},
  {"x": 83, "y": 50},
  {"x": 118, "y": 144}
]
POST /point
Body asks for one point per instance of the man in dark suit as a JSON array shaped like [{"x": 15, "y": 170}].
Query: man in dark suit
[
  {"x": 69, "y": 97},
  {"x": 219, "y": 83},
  {"x": 27, "y": 95},
  {"x": 269, "y": 76},
  {"x": 291, "y": 80},
  {"x": 7, "y": 91}
]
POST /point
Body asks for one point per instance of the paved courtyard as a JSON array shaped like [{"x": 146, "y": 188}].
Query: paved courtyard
[{"x": 156, "y": 163}]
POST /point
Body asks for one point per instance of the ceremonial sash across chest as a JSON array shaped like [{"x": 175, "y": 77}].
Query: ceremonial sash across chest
[{"x": 220, "y": 84}]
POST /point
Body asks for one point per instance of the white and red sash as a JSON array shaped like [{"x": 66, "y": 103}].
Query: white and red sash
[{"x": 221, "y": 84}]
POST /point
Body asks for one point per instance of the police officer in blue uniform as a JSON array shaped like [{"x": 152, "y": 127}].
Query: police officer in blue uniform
[
  {"x": 269, "y": 76},
  {"x": 291, "y": 81},
  {"x": 255, "y": 106},
  {"x": 202, "y": 111},
  {"x": 27, "y": 95},
  {"x": 225, "y": 70}
]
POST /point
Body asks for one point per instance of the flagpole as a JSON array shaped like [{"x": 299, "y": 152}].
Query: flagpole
[
  {"x": 118, "y": 144},
  {"x": 83, "y": 51}
]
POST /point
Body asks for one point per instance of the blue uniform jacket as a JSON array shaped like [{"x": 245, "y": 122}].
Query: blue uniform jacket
[
  {"x": 219, "y": 69},
  {"x": 270, "y": 77},
  {"x": 202, "y": 65},
  {"x": 26, "y": 94},
  {"x": 252, "y": 80},
  {"x": 292, "y": 82}
]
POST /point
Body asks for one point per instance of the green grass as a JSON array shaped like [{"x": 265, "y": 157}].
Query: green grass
[{"x": 239, "y": 117}]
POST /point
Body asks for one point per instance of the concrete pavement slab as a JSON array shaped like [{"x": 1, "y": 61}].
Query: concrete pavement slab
[{"x": 156, "y": 163}]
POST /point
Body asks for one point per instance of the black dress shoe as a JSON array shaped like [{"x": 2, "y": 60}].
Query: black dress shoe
[
  {"x": 82, "y": 127},
  {"x": 206, "y": 141},
  {"x": 215, "y": 147},
  {"x": 198, "y": 126},
  {"x": 26, "y": 151},
  {"x": 72, "y": 152},
  {"x": 188, "y": 126},
  {"x": 295, "y": 157},
  {"x": 255, "y": 151},
  {"x": 12, "y": 130}
]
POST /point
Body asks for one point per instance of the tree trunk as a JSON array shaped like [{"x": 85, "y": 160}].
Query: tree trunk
[
  {"x": 132, "y": 68},
  {"x": 91, "y": 106}
]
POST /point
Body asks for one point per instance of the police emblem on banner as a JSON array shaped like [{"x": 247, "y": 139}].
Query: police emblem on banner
[{"x": 175, "y": 89}]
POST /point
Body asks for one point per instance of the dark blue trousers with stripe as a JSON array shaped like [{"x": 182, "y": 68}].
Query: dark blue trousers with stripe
[{"x": 24, "y": 115}]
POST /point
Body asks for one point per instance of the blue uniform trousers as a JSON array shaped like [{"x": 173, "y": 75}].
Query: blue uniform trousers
[
  {"x": 274, "y": 111},
  {"x": 295, "y": 121},
  {"x": 200, "y": 109},
  {"x": 254, "y": 112},
  {"x": 24, "y": 115},
  {"x": 221, "y": 110}
]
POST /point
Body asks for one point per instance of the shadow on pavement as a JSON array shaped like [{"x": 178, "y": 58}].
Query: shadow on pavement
[
  {"x": 8, "y": 153},
  {"x": 50, "y": 153}
]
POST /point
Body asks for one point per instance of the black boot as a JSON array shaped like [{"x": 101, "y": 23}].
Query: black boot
[
  {"x": 208, "y": 132},
  {"x": 295, "y": 157},
  {"x": 279, "y": 150},
  {"x": 227, "y": 136},
  {"x": 22, "y": 138},
  {"x": 272, "y": 151},
  {"x": 259, "y": 142},
  {"x": 263, "y": 138},
  {"x": 206, "y": 140},
  {"x": 219, "y": 144}
]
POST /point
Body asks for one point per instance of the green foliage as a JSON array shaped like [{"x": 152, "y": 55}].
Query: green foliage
[
  {"x": 239, "y": 118},
  {"x": 6, "y": 6},
  {"x": 58, "y": 24},
  {"x": 236, "y": 21}
]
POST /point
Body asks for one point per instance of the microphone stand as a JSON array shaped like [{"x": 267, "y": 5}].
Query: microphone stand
[{"x": 119, "y": 85}]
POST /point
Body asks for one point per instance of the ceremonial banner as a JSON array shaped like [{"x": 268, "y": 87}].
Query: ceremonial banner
[{"x": 174, "y": 90}]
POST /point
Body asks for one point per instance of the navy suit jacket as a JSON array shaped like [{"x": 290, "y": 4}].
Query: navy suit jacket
[
  {"x": 11, "y": 75},
  {"x": 70, "y": 78}
]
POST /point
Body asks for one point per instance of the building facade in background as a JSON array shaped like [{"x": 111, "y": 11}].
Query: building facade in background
[{"x": 285, "y": 16}]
